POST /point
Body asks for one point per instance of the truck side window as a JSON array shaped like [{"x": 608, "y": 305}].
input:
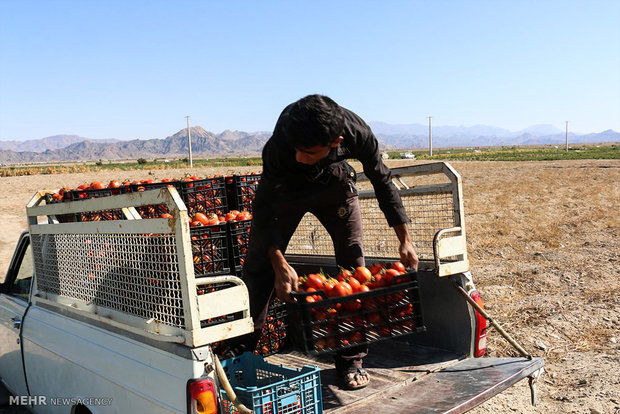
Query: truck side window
[{"x": 21, "y": 285}]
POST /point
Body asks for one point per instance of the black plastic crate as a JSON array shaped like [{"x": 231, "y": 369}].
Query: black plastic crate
[
  {"x": 153, "y": 211},
  {"x": 135, "y": 187},
  {"x": 210, "y": 250},
  {"x": 241, "y": 190},
  {"x": 238, "y": 239},
  {"x": 62, "y": 218},
  {"x": 204, "y": 196},
  {"x": 273, "y": 335},
  {"x": 75, "y": 195},
  {"x": 336, "y": 323},
  {"x": 101, "y": 215}
]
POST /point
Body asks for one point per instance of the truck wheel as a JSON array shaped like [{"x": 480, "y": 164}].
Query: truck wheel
[{"x": 80, "y": 409}]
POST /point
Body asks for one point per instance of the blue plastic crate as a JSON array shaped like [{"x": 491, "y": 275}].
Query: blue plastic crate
[{"x": 272, "y": 389}]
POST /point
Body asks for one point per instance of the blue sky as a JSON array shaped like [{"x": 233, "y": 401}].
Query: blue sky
[{"x": 135, "y": 69}]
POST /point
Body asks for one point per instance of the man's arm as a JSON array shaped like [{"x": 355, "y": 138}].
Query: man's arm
[
  {"x": 285, "y": 276},
  {"x": 407, "y": 252}
]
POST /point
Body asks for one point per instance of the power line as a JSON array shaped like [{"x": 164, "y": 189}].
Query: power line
[
  {"x": 189, "y": 143},
  {"x": 566, "y": 136},
  {"x": 430, "y": 137}
]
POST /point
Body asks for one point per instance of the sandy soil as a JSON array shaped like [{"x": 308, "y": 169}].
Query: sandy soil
[{"x": 544, "y": 244}]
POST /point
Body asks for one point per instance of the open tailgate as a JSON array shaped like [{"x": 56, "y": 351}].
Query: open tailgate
[
  {"x": 415, "y": 379},
  {"x": 454, "y": 389}
]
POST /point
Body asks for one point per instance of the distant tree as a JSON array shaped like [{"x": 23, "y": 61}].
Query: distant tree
[
  {"x": 99, "y": 163},
  {"x": 142, "y": 161}
]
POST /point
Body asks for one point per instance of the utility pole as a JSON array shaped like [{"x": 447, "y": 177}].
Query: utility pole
[
  {"x": 566, "y": 136},
  {"x": 189, "y": 143},
  {"x": 430, "y": 137}
]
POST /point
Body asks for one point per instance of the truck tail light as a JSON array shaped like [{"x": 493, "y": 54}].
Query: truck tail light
[
  {"x": 480, "y": 345},
  {"x": 203, "y": 397}
]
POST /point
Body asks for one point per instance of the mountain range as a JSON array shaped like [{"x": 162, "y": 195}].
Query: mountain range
[{"x": 205, "y": 143}]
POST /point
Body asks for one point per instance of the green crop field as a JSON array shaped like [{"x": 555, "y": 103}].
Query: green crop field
[
  {"x": 463, "y": 154},
  {"x": 519, "y": 153}
]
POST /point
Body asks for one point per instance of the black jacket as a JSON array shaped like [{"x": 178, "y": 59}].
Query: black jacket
[{"x": 282, "y": 174}]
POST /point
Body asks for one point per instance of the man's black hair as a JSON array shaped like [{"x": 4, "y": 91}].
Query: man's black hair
[{"x": 314, "y": 120}]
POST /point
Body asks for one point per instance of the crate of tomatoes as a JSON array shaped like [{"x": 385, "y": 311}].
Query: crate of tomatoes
[
  {"x": 205, "y": 196},
  {"x": 219, "y": 242},
  {"x": 358, "y": 306},
  {"x": 209, "y": 239},
  {"x": 96, "y": 189},
  {"x": 239, "y": 226},
  {"x": 241, "y": 189},
  {"x": 157, "y": 210},
  {"x": 273, "y": 335}
]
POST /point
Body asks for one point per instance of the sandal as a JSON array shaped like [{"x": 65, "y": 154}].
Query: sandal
[{"x": 353, "y": 374}]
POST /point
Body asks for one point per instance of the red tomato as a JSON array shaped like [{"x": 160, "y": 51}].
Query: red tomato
[
  {"x": 96, "y": 185},
  {"x": 355, "y": 337},
  {"x": 355, "y": 284},
  {"x": 389, "y": 274},
  {"x": 347, "y": 287},
  {"x": 328, "y": 286},
  {"x": 331, "y": 342},
  {"x": 339, "y": 289},
  {"x": 364, "y": 288},
  {"x": 244, "y": 215},
  {"x": 374, "y": 317},
  {"x": 114, "y": 184},
  {"x": 376, "y": 268},
  {"x": 314, "y": 281},
  {"x": 344, "y": 275},
  {"x": 377, "y": 281},
  {"x": 399, "y": 267},
  {"x": 166, "y": 215},
  {"x": 353, "y": 305},
  {"x": 362, "y": 274}
]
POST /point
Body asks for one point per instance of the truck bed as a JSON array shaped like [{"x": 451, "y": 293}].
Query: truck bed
[{"x": 408, "y": 378}]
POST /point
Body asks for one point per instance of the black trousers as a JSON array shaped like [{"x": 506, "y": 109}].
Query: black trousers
[{"x": 336, "y": 205}]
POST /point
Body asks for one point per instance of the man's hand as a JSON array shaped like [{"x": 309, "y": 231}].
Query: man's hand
[
  {"x": 408, "y": 256},
  {"x": 285, "y": 276}
]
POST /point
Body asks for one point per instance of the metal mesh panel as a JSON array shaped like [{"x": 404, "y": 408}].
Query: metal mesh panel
[
  {"x": 428, "y": 212},
  {"x": 136, "y": 274}
]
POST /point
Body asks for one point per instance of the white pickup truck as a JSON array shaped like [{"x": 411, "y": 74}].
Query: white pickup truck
[{"x": 109, "y": 317}]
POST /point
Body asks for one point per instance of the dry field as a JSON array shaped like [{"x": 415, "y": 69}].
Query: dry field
[{"x": 544, "y": 244}]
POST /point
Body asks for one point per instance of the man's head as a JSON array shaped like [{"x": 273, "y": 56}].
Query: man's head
[{"x": 314, "y": 126}]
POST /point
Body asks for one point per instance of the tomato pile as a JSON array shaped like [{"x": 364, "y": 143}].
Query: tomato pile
[
  {"x": 362, "y": 279},
  {"x": 201, "y": 219},
  {"x": 362, "y": 305}
]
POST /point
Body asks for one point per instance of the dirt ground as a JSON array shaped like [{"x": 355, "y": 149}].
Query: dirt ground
[{"x": 544, "y": 245}]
